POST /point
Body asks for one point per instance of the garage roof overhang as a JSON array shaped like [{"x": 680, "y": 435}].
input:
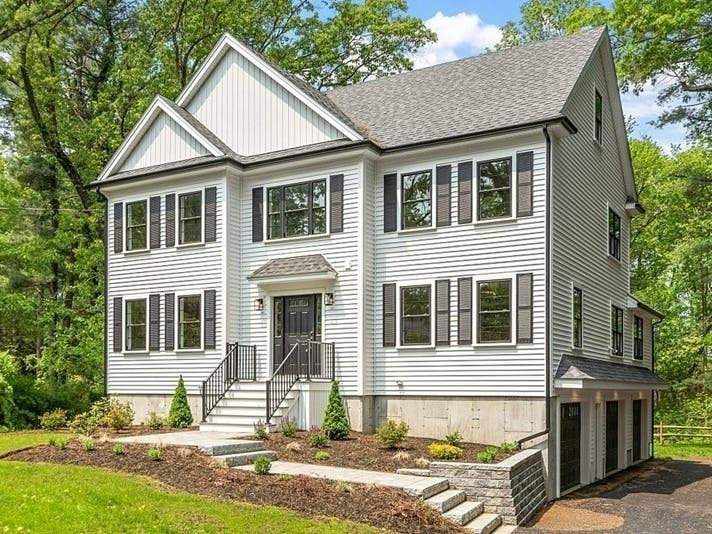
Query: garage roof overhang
[{"x": 576, "y": 372}]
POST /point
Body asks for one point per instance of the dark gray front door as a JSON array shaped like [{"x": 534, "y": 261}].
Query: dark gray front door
[
  {"x": 570, "y": 447},
  {"x": 296, "y": 320}
]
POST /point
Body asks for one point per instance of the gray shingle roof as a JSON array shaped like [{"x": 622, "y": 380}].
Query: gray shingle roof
[
  {"x": 294, "y": 266},
  {"x": 512, "y": 87},
  {"x": 579, "y": 368}
]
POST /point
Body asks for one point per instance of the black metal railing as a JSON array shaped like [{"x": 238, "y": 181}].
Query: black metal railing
[
  {"x": 309, "y": 360},
  {"x": 240, "y": 363}
]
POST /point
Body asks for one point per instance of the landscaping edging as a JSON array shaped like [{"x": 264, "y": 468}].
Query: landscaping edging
[{"x": 515, "y": 488}]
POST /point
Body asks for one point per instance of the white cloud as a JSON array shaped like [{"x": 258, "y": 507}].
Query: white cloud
[{"x": 460, "y": 35}]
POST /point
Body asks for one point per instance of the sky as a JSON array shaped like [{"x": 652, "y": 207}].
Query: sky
[{"x": 466, "y": 28}]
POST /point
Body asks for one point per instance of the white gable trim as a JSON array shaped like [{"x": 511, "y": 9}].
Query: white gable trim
[
  {"x": 228, "y": 41},
  {"x": 158, "y": 106}
]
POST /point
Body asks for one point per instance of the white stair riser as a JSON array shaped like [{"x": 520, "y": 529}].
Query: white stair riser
[{"x": 224, "y": 427}]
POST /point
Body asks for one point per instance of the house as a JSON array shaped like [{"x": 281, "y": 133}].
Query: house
[{"x": 450, "y": 244}]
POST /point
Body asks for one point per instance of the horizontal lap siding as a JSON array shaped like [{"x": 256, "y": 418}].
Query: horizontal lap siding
[
  {"x": 464, "y": 250},
  {"x": 161, "y": 271}
]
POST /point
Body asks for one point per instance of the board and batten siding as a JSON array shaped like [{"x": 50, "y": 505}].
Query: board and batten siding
[
  {"x": 164, "y": 142},
  {"x": 192, "y": 268},
  {"x": 254, "y": 114},
  {"x": 479, "y": 250}
]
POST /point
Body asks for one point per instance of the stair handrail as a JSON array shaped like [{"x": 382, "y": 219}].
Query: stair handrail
[
  {"x": 240, "y": 363},
  {"x": 280, "y": 383}
]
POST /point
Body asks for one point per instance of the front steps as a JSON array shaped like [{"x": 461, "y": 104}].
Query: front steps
[
  {"x": 239, "y": 453},
  {"x": 454, "y": 505}
]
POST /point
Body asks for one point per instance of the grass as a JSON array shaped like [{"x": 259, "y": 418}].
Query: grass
[
  {"x": 683, "y": 450},
  {"x": 10, "y": 441}
]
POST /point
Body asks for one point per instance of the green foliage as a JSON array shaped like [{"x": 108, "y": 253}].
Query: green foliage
[
  {"x": 289, "y": 428},
  {"x": 155, "y": 421},
  {"x": 509, "y": 446},
  {"x": 84, "y": 424},
  {"x": 321, "y": 456},
  {"x": 88, "y": 444},
  {"x": 317, "y": 438},
  {"x": 336, "y": 422},
  {"x": 488, "y": 455},
  {"x": 118, "y": 448},
  {"x": 390, "y": 433},
  {"x": 154, "y": 453},
  {"x": 53, "y": 420},
  {"x": 444, "y": 451},
  {"x": 260, "y": 429},
  {"x": 263, "y": 465},
  {"x": 179, "y": 415},
  {"x": 454, "y": 438},
  {"x": 60, "y": 442},
  {"x": 118, "y": 415}
]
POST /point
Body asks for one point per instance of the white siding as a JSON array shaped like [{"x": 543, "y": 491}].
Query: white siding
[
  {"x": 188, "y": 269},
  {"x": 483, "y": 251},
  {"x": 164, "y": 142},
  {"x": 370, "y": 291},
  {"x": 252, "y": 113}
]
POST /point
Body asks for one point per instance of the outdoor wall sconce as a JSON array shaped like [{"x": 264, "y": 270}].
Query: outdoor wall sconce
[
  {"x": 329, "y": 299},
  {"x": 258, "y": 304}
]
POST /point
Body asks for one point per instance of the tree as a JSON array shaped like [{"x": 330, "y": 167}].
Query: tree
[
  {"x": 336, "y": 423},
  {"x": 180, "y": 415}
]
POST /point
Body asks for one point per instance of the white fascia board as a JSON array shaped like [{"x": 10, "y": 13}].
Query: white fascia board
[
  {"x": 228, "y": 41},
  {"x": 589, "y": 384}
]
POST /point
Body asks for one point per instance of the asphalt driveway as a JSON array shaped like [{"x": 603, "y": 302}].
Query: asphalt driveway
[{"x": 668, "y": 497}]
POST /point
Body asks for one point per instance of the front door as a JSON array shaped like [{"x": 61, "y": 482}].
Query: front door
[
  {"x": 570, "y": 445},
  {"x": 296, "y": 319},
  {"x": 611, "y": 436},
  {"x": 637, "y": 428}
]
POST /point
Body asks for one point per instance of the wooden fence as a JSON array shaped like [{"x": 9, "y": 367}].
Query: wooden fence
[{"x": 665, "y": 433}]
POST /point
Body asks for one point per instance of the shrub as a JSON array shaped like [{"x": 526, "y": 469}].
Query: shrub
[
  {"x": 289, "y": 428},
  {"x": 155, "y": 421},
  {"x": 454, "y": 438},
  {"x": 318, "y": 439},
  {"x": 52, "y": 441},
  {"x": 60, "y": 442},
  {"x": 488, "y": 455},
  {"x": 118, "y": 448},
  {"x": 509, "y": 446},
  {"x": 179, "y": 415},
  {"x": 444, "y": 451},
  {"x": 260, "y": 429},
  {"x": 293, "y": 447},
  {"x": 85, "y": 424},
  {"x": 322, "y": 456},
  {"x": 154, "y": 453},
  {"x": 401, "y": 456},
  {"x": 284, "y": 477},
  {"x": 390, "y": 433},
  {"x": 88, "y": 444},
  {"x": 343, "y": 487},
  {"x": 422, "y": 463},
  {"x": 118, "y": 415},
  {"x": 263, "y": 465},
  {"x": 53, "y": 420},
  {"x": 336, "y": 423}
]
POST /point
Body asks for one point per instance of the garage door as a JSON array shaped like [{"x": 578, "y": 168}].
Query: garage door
[
  {"x": 611, "y": 436},
  {"x": 570, "y": 446}
]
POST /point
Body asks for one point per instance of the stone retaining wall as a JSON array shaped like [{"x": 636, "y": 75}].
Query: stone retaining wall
[{"x": 514, "y": 488}]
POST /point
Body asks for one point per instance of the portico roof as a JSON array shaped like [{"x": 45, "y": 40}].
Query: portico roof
[{"x": 577, "y": 372}]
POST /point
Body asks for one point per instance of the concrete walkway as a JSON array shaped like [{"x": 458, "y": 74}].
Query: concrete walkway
[
  {"x": 422, "y": 487},
  {"x": 213, "y": 443}
]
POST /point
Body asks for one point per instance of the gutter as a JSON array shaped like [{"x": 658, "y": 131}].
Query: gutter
[{"x": 106, "y": 290}]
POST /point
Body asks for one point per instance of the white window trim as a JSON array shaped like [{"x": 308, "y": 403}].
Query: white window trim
[
  {"x": 176, "y": 321},
  {"x": 124, "y": 323},
  {"x": 147, "y": 248},
  {"x": 202, "y": 218},
  {"x": 399, "y": 310},
  {"x": 574, "y": 285},
  {"x": 512, "y": 156},
  {"x": 512, "y": 277},
  {"x": 265, "y": 208},
  {"x": 607, "y": 249},
  {"x": 399, "y": 199}
]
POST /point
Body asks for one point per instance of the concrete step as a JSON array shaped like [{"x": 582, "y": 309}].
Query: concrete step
[
  {"x": 239, "y": 447},
  {"x": 433, "y": 489},
  {"x": 245, "y": 458},
  {"x": 464, "y": 512},
  {"x": 446, "y": 500},
  {"x": 255, "y": 412},
  {"x": 218, "y": 426},
  {"x": 484, "y": 523},
  {"x": 504, "y": 529},
  {"x": 248, "y": 385},
  {"x": 242, "y": 420},
  {"x": 413, "y": 471}
]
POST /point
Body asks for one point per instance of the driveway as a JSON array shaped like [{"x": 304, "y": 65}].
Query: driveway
[{"x": 668, "y": 497}]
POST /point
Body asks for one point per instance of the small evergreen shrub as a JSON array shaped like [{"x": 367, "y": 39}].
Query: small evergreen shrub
[
  {"x": 179, "y": 415},
  {"x": 117, "y": 415},
  {"x": 509, "y": 446},
  {"x": 487, "y": 456},
  {"x": 322, "y": 456},
  {"x": 289, "y": 428},
  {"x": 390, "y": 433},
  {"x": 263, "y": 465},
  {"x": 336, "y": 423},
  {"x": 154, "y": 453},
  {"x": 317, "y": 439},
  {"x": 118, "y": 449},
  {"x": 53, "y": 420},
  {"x": 155, "y": 421},
  {"x": 454, "y": 438},
  {"x": 260, "y": 429},
  {"x": 88, "y": 444},
  {"x": 444, "y": 451}
]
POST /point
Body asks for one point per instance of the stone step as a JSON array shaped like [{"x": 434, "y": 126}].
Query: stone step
[
  {"x": 245, "y": 458},
  {"x": 430, "y": 490},
  {"x": 484, "y": 523},
  {"x": 239, "y": 447},
  {"x": 504, "y": 529},
  {"x": 464, "y": 512},
  {"x": 413, "y": 471},
  {"x": 446, "y": 500}
]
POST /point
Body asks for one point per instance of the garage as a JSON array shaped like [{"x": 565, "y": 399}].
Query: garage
[{"x": 570, "y": 446}]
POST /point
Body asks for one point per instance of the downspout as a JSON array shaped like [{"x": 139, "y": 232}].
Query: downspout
[
  {"x": 106, "y": 290},
  {"x": 652, "y": 391}
]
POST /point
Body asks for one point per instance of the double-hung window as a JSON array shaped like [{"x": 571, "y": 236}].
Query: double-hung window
[
  {"x": 415, "y": 315},
  {"x": 494, "y": 311},
  {"x": 577, "y": 319},
  {"x": 598, "y": 117},
  {"x": 416, "y": 200},
  {"x": 614, "y": 234},
  {"x": 638, "y": 338},
  {"x": 136, "y": 226},
  {"x": 494, "y": 189},
  {"x": 189, "y": 322},
  {"x": 616, "y": 331},
  {"x": 135, "y": 325},
  {"x": 190, "y": 218},
  {"x": 297, "y": 209}
]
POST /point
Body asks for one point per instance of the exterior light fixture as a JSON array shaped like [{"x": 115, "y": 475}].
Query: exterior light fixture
[
  {"x": 329, "y": 299},
  {"x": 259, "y": 304}
]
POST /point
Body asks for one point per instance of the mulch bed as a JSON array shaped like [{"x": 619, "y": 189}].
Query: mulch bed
[
  {"x": 187, "y": 469},
  {"x": 362, "y": 451}
]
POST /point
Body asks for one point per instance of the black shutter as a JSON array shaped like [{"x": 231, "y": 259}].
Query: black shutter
[
  {"x": 442, "y": 312},
  {"x": 170, "y": 318},
  {"x": 464, "y": 311},
  {"x": 443, "y": 182},
  {"x": 257, "y": 220},
  {"x": 336, "y": 203},
  {"x": 525, "y": 171},
  {"x": 154, "y": 321},
  {"x": 211, "y": 194},
  {"x": 209, "y": 322},
  {"x": 155, "y": 205},
  {"x": 118, "y": 323},
  {"x": 389, "y": 315},
  {"x": 464, "y": 192},
  {"x": 524, "y": 308},
  {"x": 118, "y": 227},
  {"x": 390, "y": 203},
  {"x": 171, "y": 220}
]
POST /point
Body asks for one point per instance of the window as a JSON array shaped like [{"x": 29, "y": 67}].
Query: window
[
  {"x": 416, "y": 200},
  {"x": 189, "y": 322},
  {"x": 616, "y": 331},
  {"x": 494, "y": 189},
  {"x": 598, "y": 118},
  {"x": 494, "y": 311},
  {"x": 190, "y": 214},
  {"x": 577, "y": 334},
  {"x": 638, "y": 338},
  {"x": 415, "y": 315},
  {"x": 136, "y": 227},
  {"x": 136, "y": 325},
  {"x": 614, "y": 234},
  {"x": 295, "y": 210}
]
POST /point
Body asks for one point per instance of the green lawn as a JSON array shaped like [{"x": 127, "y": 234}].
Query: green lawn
[
  {"x": 10, "y": 441},
  {"x": 683, "y": 450}
]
